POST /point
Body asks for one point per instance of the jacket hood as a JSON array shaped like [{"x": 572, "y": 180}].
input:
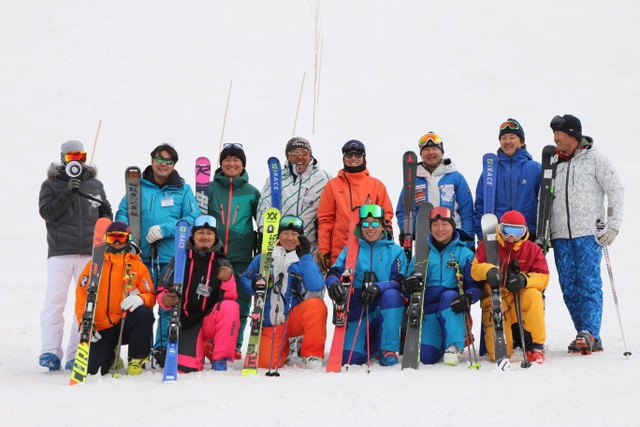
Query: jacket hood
[
  {"x": 225, "y": 180},
  {"x": 521, "y": 155},
  {"x": 445, "y": 167},
  {"x": 57, "y": 171}
]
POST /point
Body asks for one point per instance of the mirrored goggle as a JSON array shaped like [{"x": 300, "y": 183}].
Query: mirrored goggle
[
  {"x": 117, "y": 236},
  {"x": 517, "y": 231},
  {"x": 367, "y": 224},
  {"x": 205, "y": 220},
  {"x": 509, "y": 125},
  {"x": 440, "y": 212},
  {"x": 160, "y": 159},
  {"x": 79, "y": 156},
  {"x": 290, "y": 221},
  {"x": 431, "y": 139},
  {"x": 299, "y": 153},
  {"x": 235, "y": 145},
  {"x": 374, "y": 211}
]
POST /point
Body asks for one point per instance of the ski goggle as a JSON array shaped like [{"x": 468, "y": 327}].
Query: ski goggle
[
  {"x": 291, "y": 222},
  {"x": 373, "y": 211},
  {"x": 160, "y": 159},
  {"x": 79, "y": 156},
  {"x": 509, "y": 125},
  {"x": 205, "y": 221},
  {"x": 367, "y": 224},
  {"x": 517, "y": 231},
  {"x": 117, "y": 236},
  {"x": 299, "y": 153},
  {"x": 430, "y": 139},
  {"x": 440, "y": 213},
  {"x": 235, "y": 145},
  {"x": 356, "y": 154}
]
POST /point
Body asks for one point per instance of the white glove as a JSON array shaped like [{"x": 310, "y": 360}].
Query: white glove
[
  {"x": 95, "y": 336},
  {"x": 131, "y": 302},
  {"x": 607, "y": 236},
  {"x": 154, "y": 234}
]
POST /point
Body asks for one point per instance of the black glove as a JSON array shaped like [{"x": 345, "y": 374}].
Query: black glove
[
  {"x": 401, "y": 237},
  {"x": 461, "y": 304},
  {"x": 515, "y": 282},
  {"x": 304, "y": 248},
  {"x": 258, "y": 283},
  {"x": 73, "y": 185},
  {"x": 494, "y": 278},
  {"x": 370, "y": 293},
  {"x": 413, "y": 283},
  {"x": 337, "y": 293}
]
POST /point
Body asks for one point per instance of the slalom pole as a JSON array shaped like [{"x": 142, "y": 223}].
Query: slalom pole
[
  {"x": 295, "y": 121},
  {"x": 95, "y": 142},
  {"x": 224, "y": 120},
  {"x": 605, "y": 250}
]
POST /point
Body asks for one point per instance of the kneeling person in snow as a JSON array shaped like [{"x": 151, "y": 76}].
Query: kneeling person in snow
[
  {"x": 125, "y": 289},
  {"x": 209, "y": 312},
  {"x": 447, "y": 297},
  {"x": 527, "y": 276},
  {"x": 293, "y": 304},
  {"x": 376, "y": 296}
]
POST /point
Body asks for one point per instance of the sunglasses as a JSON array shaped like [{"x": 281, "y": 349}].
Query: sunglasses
[
  {"x": 440, "y": 213},
  {"x": 235, "y": 145},
  {"x": 160, "y": 159},
  {"x": 509, "y": 125},
  {"x": 517, "y": 231},
  {"x": 356, "y": 154},
  {"x": 205, "y": 220},
  {"x": 117, "y": 236},
  {"x": 430, "y": 140},
  {"x": 290, "y": 221},
  {"x": 79, "y": 156},
  {"x": 373, "y": 211},
  {"x": 299, "y": 153},
  {"x": 366, "y": 224}
]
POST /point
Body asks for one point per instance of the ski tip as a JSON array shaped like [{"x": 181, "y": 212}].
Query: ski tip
[{"x": 503, "y": 365}]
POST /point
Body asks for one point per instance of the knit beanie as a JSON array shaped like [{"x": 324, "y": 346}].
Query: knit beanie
[
  {"x": 234, "y": 150},
  {"x": 297, "y": 143},
  {"x": 514, "y": 218},
  {"x": 568, "y": 124},
  {"x": 511, "y": 126}
]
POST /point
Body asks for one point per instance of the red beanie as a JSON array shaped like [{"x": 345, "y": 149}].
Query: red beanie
[{"x": 513, "y": 217}]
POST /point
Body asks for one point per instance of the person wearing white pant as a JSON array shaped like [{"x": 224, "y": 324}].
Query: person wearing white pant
[{"x": 71, "y": 200}]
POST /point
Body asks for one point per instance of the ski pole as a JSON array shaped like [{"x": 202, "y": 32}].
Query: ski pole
[
  {"x": 355, "y": 336},
  {"x": 525, "y": 363},
  {"x": 626, "y": 353},
  {"x": 473, "y": 356},
  {"x": 368, "y": 339}
]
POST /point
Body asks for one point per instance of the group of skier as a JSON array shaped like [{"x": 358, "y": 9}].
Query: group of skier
[{"x": 332, "y": 231}]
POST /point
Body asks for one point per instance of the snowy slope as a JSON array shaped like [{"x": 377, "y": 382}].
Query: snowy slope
[{"x": 390, "y": 71}]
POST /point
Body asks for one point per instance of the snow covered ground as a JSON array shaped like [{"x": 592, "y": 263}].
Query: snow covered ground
[{"x": 389, "y": 71}]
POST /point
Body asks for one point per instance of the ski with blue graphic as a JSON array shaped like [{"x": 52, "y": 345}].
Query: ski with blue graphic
[
  {"x": 275, "y": 181},
  {"x": 182, "y": 233},
  {"x": 489, "y": 170}
]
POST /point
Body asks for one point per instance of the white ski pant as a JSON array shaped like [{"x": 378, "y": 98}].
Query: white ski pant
[{"x": 62, "y": 274}]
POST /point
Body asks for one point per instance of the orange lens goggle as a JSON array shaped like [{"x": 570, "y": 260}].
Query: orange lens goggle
[
  {"x": 79, "y": 156},
  {"x": 430, "y": 139},
  {"x": 117, "y": 236}
]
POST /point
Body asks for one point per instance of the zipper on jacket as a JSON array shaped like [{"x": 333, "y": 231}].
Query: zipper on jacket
[{"x": 566, "y": 198}]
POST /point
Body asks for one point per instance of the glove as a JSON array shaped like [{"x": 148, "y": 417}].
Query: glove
[
  {"x": 516, "y": 282},
  {"x": 324, "y": 262},
  {"x": 95, "y": 336},
  {"x": 258, "y": 283},
  {"x": 337, "y": 293},
  {"x": 461, "y": 304},
  {"x": 73, "y": 185},
  {"x": 607, "y": 237},
  {"x": 401, "y": 237},
  {"x": 413, "y": 283},
  {"x": 370, "y": 293},
  {"x": 154, "y": 234},
  {"x": 169, "y": 299},
  {"x": 131, "y": 302},
  {"x": 494, "y": 278},
  {"x": 224, "y": 273},
  {"x": 304, "y": 247}
]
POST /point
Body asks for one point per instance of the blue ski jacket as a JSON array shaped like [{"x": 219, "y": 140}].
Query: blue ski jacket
[
  {"x": 163, "y": 206},
  {"x": 517, "y": 184}
]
